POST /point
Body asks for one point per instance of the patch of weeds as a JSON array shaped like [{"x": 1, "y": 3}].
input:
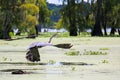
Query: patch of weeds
[
  {"x": 104, "y": 49},
  {"x": 105, "y": 61},
  {"x": 72, "y": 49},
  {"x": 51, "y": 62},
  {"x": 73, "y": 68},
  {"x": 6, "y": 59},
  {"x": 72, "y": 53},
  {"x": 94, "y": 52}
]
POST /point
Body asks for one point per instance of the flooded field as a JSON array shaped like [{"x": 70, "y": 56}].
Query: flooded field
[{"x": 90, "y": 63}]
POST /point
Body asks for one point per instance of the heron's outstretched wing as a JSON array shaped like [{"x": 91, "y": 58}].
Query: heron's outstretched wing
[
  {"x": 39, "y": 44},
  {"x": 64, "y": 45}
]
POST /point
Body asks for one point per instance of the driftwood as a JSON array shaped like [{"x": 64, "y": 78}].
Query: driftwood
[{"x": 33, "y": 53}]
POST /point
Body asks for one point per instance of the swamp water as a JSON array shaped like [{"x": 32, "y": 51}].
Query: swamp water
[{"x": 55, "y": 65}]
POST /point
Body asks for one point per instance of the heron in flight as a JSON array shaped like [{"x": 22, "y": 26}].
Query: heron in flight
[{"x": 33, "y": 53}]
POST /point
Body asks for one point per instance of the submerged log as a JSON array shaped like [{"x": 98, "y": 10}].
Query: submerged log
[{"x": 18, "y": 72}]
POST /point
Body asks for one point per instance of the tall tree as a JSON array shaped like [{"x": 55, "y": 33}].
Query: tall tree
[
  {"x": 97, "y": 27},
  {"x": 114, "y": 16},
  {"x": 7, "y": 8},
  {"x": 30, "y": 11},
  {"x": 107, "y": 11},
  {"x": 44, "y": 13},
  {"x": 69, "y": 15}
]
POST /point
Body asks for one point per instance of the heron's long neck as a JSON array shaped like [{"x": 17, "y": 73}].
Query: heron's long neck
[{"x": 52, "y": 37}]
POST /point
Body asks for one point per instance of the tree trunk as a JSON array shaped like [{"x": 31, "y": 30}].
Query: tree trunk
[
  {"x": 36, "y": 29},
  {"x": 7, "y": 26},
  {"x": 104, "y": 26},
  {"x": 97, "y": 27},
  {"x": 104, "y": 20},
  {"x": 72, "y": 20},
  {"x": 105, "y": 31},
  {"x": 6, "y": 32},
  {"x": 119, "y": 31},
  {"x": 73, "y": 30},
  {"x": 112, "y": 32}
]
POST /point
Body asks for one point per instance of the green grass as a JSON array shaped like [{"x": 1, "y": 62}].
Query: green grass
[
  {"x": 48, "y": 34},
  {"x": 66, "y": 34},
  {"x": 60, "y": 34},
  {"x": 63, "y": 34}
]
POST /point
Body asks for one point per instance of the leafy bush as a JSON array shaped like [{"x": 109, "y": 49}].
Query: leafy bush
[{"x": 11, "y": 34}]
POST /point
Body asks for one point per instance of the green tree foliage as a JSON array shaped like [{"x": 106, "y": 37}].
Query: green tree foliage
[
  {"x": 95, "y": 14},
  {"x": 61, "y": 24},
  {"x": 30, "y": 12},
  {"x": 44, "y": 13},
  {"x": 30, "y": 8},
  {"x": 8, "y": 10},
  {"x": 116, "y": 15},
  {"x": 83, "y": 10},
  {"x": 69, "y": 15},
  {"x": 75, "y": 14},
  {"x": 109, "y": 15},
  {"x": 22, "y": 13}
]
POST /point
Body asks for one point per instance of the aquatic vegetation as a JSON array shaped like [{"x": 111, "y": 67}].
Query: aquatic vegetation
[
  {"x": 105, "y": 61},
  {"x": 73, "y": 68},
  {"x": 104, "y": 49},
  {"x": 90, "y": 52},
  {"x": 72, "y": 48},
  {"x": 6, "y": 59},
  {"x": 72, "y": 53},
  {"x": 51, "y": 62}
]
